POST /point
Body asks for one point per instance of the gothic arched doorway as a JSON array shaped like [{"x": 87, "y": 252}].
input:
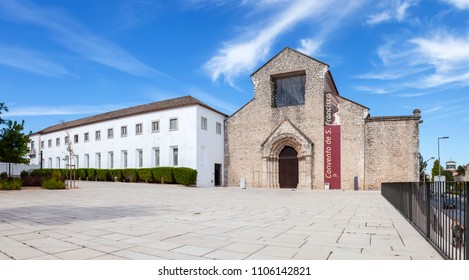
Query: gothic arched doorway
[{"x": 288, "y": 168}]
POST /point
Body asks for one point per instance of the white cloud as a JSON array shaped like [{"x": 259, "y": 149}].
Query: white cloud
[
  {"x": 73, "y": 36},
  {"x": 460, "y": 4},
  {"x": 24, "y": 111},
  {"x": 395, "y": 11},
  {"x": 241, "y": 55},
  {"x": 31, "y": 61}
]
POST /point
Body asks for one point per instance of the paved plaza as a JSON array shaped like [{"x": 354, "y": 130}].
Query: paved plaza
[{"x": 114, "y": 221}]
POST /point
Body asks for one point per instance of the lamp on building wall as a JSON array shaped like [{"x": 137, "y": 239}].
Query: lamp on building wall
[{"x": 439, "y": 162}]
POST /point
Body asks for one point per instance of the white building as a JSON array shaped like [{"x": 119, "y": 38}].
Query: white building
[{"x": 176, "y": 132}]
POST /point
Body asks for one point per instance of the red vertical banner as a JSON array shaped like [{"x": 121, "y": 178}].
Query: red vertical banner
[{"x": 332, "y": 156}]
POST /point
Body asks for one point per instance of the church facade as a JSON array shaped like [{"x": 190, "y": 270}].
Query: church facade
[{"x": 299, "y": 132}]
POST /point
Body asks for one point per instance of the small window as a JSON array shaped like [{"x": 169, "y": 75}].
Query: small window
[
  {"x": 173, "y": 124},
  {"x": 110, "y": 163},
  {"x": 75, "y": 138},
  {"x": 67, "y": 140},
  {"x": 140, "y": 158},
  {"x": 124, "y": 159},
  {"x": 139, "y": 129},
  {"x": 98, "y": 160},
  {"x": 49, "y": 143},
  {"x": 175, "y": 156},
  {"x": 97, "y": 135},
  {"x": 57, "y": 142},
  {"x": 123, "y": 131},
  {"x": 156, "y": 154},
  {"x": 289, "y": 90},
  {"x": 110, "y": 133},
  {"x": 42, "y": 144},
  {"x": 218, "y": 128},
  {"x": 155, "y": 126},
  {"x": 203, "y": 123},
  {"x": 87, "y": 161},
  {"x": 86, "y": 137}
]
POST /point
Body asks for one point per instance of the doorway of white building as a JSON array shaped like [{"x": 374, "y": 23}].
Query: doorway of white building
[{"x": 217, "y": 173}]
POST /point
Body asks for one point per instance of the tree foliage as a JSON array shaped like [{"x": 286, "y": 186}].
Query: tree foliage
[
  {"x": 461, "y": 170},
  {"x": 2, "y": 108},
  {"x": 436, "y": 165},
  {"x": 13, "y": 143}
]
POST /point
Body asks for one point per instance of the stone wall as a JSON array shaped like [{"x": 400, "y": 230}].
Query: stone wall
[{"x": 391, "y": 150}]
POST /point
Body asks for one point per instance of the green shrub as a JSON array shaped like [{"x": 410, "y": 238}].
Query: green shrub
[
  {"x": 91, "y": 174},
  {"x": 102, "y": 175},
  {"x": 185, "y": 176},
  {"x": 65, "y": 173},
  {"x": 82, "y": 173},
  {"x": 10, "y": 184},
  {"x": 116, "y": 175},
  {"x": 24, "y": 174},
  {"x": 130, "y": 175},
  {"x": 145, "y": 175},
  {"x": 163, "y": 175},
  {"x": 31, "y": 180},
  {"x": 54, "y": 183},
  {"x": 3, "y": 175},
  {"x": 42, "y": 172}
]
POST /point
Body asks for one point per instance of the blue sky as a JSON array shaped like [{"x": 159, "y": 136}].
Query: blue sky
[{"x": 66, "y": 59}]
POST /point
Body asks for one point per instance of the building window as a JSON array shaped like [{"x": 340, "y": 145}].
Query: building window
[
  {"x": 97, "y": 135},
  {"x": 32, "y": 145},
  {"x": 110, "y": 163},
  {"x": 123, "y": 131},
  {"x": 86, "y": 137},
  {"x": 218, "y": 128},
  {"x": 42, "y": 144},
  {"x": 87, "y": 161},
  {"x": 138, "y": 129},
  {"x": 57, "y": 142},
  {"x": 173, "y": 124},
  {"x": 110, "y": 133},
  {"x": 175, "y": 156},
  {"x": 49, "y": 143},
  {"x": 75, "y": 138},
  {"x": 289, "y": 90},
  {"x": 156, "y": 157},
  {"x": 49, "y": 163},
  {"x": 155, "y": 126},
  {"x": 203, "y": 123},
  {"x": 98, "y": 160},
  {"x": 67, "y": 140},
  {"x": 76, "y": 161},
  {"x": 57, "y": 162},
  {"x": 124, "y": 159},
  {"x": 139, "y": 158}
]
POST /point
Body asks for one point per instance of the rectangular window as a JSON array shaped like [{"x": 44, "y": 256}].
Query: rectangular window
[
  {"x": 32, "y": 145},
  {"x": 203, "y": 123},
  {"x": 173, "y": 124},
  {"x": 76, "y": 161},
  {"x": 42, "y": 144},
  {"x": 138, "y": 129},
  {"x": 57, "y": 142},
  {"x": 67, "y": 140},
  {"x": 156, "y": 157},
  {"x": 123, "y": 131},
  {"x": 87, "y": 161},
  {"x": 110, "y": 160},
  {"x": 97, "y": 135},
  {"x": 57, "y": 162},
  {"x": 49, "y": 143},
  {"x": 124, "y": 159},
  {"x": 139, "y": 158},
  {"x": 86, "y": 136},
  {"x": 289, "y": 90},
  {"x": 175, "y": 156},
  {"x": 110, "y": 133},
  {"x": 155, "y": 126},
  {"x": 98, "y": 160},
  {"x": 75, "y": 138},
  {"x": 218, "y": 128},
  {"x": 49, "y": 163}
]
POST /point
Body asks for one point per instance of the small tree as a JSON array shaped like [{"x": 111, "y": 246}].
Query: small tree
[
  {"x": 436, "y": 166},
  {"x": 2, "y": 108},
  {"x": 13, "y": 144},
  {"x": 461, "y": 171}
]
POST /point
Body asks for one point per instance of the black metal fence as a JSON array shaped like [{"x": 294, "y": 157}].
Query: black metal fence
[{"x": 438, "y": 210}]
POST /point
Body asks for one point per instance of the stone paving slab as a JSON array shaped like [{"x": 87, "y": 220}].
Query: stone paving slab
[{"x": 142, "y": 221}]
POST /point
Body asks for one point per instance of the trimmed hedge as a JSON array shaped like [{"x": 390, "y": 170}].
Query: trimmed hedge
[
  {"x": 163, "y": 175},
  {"x": 130, "y": 175}
]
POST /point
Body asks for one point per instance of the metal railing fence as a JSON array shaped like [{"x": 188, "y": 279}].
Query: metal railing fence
[{"x": 438, "y": 210}]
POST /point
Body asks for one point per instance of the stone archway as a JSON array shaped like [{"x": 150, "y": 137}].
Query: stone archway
[{"x": 286, "y": 134}]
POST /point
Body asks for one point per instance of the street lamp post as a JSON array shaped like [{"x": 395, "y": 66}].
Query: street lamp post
[{"x": 439, "y": 162}]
